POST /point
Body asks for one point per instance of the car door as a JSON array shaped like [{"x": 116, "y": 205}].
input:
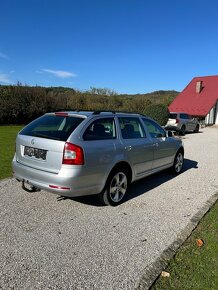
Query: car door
[
  {"x": 191, "y": 122},
  {"x": 188, "y": 121},
  {"x": 138, "y": 148},
  {"x": 163, "y": 146},
  {"x": 99, "y": 145}
]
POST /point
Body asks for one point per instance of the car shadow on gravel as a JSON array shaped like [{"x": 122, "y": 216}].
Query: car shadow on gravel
[
  {"x": 153, "y": 181},
  {"x": 193, "y": 133},
  {"x": 138, "y": 187},
  {"x": 187, "y": 133}
]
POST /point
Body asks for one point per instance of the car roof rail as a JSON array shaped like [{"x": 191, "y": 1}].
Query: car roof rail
[
  {"x": 103, "y": 111},
  {"x": 134, "y": 113},
  {"x": 97, "y": 112},
  {"x": 114, "y": 112}
]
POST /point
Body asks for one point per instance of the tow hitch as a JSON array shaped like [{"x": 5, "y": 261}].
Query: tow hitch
[{"x": 28, "y": 187}]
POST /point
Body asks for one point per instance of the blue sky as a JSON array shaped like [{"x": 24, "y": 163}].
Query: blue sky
[{"x": 131, "y": 46}]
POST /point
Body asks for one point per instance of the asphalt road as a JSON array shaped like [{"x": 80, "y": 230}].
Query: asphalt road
[{"x": 51, "y": 243}]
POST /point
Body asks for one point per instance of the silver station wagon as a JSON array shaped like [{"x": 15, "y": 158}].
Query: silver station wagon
[{"x": 76, "y": 153}]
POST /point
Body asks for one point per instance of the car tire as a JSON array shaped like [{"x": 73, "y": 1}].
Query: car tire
[
  {"x": 115, "y": 188},
  {"x": 178, "y": 163},
  {"x": 182, "y": 131},
  {"x": 197, "y": 129}
]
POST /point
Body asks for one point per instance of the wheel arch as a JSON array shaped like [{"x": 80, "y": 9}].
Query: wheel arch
[
  {"x": 125, "y": 166},
  {"x": 122, "y": 165},
  {"x": 181, "y": 149}
]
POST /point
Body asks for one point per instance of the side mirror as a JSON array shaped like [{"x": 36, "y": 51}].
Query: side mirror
[{"x": 169, "y": 134}]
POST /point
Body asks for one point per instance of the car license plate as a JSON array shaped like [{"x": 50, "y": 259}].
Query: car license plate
[{"x": 35, "y": 152}]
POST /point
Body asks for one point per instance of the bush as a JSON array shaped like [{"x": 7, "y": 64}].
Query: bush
[
  {"x": 158, "y": 112},
  {"x": 21, "y": 104}
]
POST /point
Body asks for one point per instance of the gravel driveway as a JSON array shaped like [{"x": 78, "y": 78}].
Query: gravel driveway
[{"x": 48, "y": 242}]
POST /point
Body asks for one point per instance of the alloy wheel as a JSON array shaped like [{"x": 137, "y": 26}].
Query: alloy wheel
[
  {"x": 118, "y": 187},
  {"x": 178, "y": 162}
]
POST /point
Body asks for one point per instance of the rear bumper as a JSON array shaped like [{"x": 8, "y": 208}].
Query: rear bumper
[
  {"x": 68, "y": 182},
  {"x": 172, "y": 128}
]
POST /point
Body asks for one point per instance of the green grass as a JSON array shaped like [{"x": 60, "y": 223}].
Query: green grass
[
  {"x": 7, "y": 146},
  {"x": 193, "y": 267}
]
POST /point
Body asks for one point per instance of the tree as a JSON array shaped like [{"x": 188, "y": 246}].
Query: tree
[
  {"x": 102, "y": 91},
  {"x": 22, "y": 103}
]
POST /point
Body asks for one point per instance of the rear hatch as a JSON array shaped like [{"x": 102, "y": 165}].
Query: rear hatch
[
  {"x": 172, "y": 120},
  {"x": 40, "y": 144}
]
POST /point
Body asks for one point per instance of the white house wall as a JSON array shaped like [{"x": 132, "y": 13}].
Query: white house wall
[
  {"x": 216, "y": 114},
  {"x": 212, "y": 116},
  {"x": 209, "y": 120}
]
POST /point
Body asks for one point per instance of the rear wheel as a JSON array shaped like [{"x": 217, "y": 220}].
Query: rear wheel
[
  {"x": 116, "y": 188},
  {"x": 196, "y": 129},
  {"x": 178, "y": 163},
  {"x": 182, "y": 131}
]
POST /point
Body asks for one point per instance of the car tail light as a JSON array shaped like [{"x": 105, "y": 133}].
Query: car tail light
[
  {"x": 177, "y": 120},
  {"x": 73, "y": 154}
]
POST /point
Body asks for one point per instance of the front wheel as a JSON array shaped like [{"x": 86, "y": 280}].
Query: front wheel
[
  {"x": 178, "y": 163},
  {"x": 115, "y": 189}
]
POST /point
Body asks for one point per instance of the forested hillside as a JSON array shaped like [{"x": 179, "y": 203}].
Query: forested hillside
[{"x": 21, "y": 103}]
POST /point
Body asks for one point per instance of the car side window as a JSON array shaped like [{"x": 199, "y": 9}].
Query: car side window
[
  {"x": 131, "y": 128},
  {"x": 154, "y": 129},
  {"x": 184, "y": 116},
  {"x": 101, "y": 129}
]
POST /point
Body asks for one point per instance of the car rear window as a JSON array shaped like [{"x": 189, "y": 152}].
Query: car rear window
[
  {"x": 172, "y": 116},
  {"x": 52, "y": 127}
]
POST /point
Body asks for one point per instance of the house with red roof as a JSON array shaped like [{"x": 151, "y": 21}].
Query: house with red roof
[{"x": 199, "y": 99}]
